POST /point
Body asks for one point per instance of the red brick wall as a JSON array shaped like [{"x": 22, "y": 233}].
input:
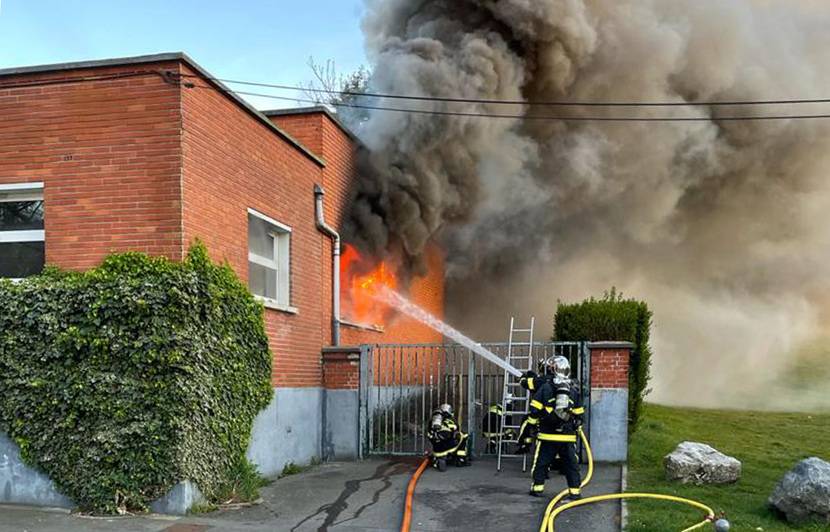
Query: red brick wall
[
  {"x": 341, "y": 369},
  {"x": 109, "y": 155},
  {"x": 140, "y": 164},
  {"x": 609, "y": 367},
  {"x": 233, "y": 162},
  {"x": 307, "y": 128}
]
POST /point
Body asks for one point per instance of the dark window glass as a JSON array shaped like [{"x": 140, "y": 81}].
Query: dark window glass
[
  {"x": 21, "y": 259},
  {"x": 21, "y": 215}
]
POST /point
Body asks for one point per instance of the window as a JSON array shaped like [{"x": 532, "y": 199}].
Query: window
[
  {"x": 22, "y": 249},
  {"x": 269, "y": 261}
]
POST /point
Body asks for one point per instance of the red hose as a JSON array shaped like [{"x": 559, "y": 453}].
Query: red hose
[{"x": 410, "y": 491}]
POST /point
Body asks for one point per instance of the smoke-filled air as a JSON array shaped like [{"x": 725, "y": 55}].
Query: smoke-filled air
[{"x": 721, "y": 226}]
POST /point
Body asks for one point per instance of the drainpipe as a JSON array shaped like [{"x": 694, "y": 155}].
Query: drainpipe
[{"x": 335, "y": 259}]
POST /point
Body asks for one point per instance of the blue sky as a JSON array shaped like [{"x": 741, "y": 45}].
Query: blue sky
[{"x": 263, "y": 40}]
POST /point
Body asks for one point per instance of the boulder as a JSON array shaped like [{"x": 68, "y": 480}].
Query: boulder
[
  {"x": 803, "y": 494},
  {"x": 698, "y": 463}
]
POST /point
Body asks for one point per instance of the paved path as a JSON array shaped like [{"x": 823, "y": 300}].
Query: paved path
[{"x": 365, "y": 496}]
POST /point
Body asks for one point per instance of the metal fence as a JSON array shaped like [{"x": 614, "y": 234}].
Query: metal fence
[{"x": 405, "y": 383}]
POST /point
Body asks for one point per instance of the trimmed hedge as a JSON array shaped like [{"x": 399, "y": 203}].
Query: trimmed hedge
[
  {"x": 123, "y": 380},
  {"x": 612, "y": 318}
]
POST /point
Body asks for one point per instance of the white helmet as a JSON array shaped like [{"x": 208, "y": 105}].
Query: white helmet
[
  {"x": 445, "y": 409},
  {"x": 560, "y": 367}
]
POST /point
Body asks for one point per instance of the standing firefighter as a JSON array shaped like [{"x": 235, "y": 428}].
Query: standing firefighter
[
  {"x": 557, "y": 412},
  {"x": 449, "y": 444},
  {"x": 530, "y": 381}
]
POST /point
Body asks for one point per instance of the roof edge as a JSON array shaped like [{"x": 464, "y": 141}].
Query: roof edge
[
  {"x": 165, "y": 57},
  {"x": 97, "y": 63},
  {"x": 290, "y": 111}
]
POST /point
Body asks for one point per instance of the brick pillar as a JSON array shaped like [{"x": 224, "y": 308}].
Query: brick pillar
[
  {"x": 609, "y": 400},
  {"x": 341, "y": 368},
  {"x": 341, "y": 405}
]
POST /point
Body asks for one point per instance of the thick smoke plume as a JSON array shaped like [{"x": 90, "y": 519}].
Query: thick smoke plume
[{"x": 721, "y": 226}]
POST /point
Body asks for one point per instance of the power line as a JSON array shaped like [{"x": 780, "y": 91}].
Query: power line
[
  {"x": 556, "y": 103},
  {"x": 542, "y": 117}
]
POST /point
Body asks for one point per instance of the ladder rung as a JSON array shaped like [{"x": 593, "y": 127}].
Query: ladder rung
[
  {"x": 514, "y": 412},
  {"x": 522, "y": 330}
]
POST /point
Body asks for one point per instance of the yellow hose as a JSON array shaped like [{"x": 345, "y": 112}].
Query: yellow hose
[{"x": 551, "y": 513}]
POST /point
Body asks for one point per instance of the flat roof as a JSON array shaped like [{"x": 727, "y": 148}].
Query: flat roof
[
  {"x": 166, "y": 57},
  {"x": 314, "y": 109}
]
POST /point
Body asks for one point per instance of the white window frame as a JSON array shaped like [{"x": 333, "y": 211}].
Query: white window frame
[
  {"x": 22, "y": 192},
  {"x": 282, "y": 249}
]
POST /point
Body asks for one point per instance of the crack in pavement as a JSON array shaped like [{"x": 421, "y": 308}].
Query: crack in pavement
[{"x": 334, "y": 509}]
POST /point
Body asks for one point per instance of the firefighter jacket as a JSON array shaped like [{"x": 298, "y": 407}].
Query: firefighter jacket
[
  {"x": 557, "y": 411},
  {"x": 531, "y": 381}
]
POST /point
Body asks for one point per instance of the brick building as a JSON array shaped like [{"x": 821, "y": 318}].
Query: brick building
[{"x": 150, "y": 153}]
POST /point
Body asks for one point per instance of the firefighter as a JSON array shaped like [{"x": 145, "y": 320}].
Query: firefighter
[
  {"x": 491, "y": 427},
  {"x": 557, "y": 411},
  {"x": 530, "y": 381},
  {"x": 449, "y": 444}
]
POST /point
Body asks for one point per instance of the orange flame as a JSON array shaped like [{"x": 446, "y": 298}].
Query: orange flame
[{"x": 360, "y": 278}]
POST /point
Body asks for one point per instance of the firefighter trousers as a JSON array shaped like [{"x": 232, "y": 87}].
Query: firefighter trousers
[{"x": 545, "y": 454}]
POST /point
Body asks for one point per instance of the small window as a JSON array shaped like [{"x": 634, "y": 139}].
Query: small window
[
  {"x": 22, "y": 248},
  {"x": 269, "y": 260}
]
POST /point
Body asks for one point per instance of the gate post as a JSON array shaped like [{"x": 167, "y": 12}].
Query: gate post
[
  {"x": 471, "y": 400},
  {"x": 609, "y": 364},
  {"x": 343, "y": 410}
]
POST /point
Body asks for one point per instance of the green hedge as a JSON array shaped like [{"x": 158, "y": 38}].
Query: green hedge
[
  {"x": 121, "y": 381},
  {"x": 612, "y": 318}
]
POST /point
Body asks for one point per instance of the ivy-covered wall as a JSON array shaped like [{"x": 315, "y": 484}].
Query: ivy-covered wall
[{"x": 120, "y": 381}]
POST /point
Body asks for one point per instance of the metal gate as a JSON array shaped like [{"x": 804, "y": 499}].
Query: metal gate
[{"x": 404, "y": 383}]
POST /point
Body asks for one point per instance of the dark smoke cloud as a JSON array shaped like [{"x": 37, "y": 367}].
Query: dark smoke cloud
[{"x": 719, "y": 225}]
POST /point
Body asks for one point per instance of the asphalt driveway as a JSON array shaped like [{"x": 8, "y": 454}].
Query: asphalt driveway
[{"x": 366, "y": 496}]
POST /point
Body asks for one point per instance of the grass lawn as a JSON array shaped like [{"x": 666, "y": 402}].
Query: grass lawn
[{"x": 768, "y": 445}]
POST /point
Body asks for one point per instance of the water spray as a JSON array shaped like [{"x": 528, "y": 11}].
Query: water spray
[{"x": 396, "y": 300}]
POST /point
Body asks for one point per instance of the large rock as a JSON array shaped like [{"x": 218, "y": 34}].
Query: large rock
[
  {"x": 698, "y": 463},
  {"x": 804, "y": 493}
]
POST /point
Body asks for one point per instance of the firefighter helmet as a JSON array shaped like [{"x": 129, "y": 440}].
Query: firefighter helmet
[
  {"x": 560, "y": 367},
  {"x": 445, "y": 409}
]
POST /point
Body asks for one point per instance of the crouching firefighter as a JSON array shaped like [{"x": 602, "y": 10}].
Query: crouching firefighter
[
  {"x": 557, "y": 411},
  {"x": 449, "y": 444},
  {"x": 491, "y": 427}
]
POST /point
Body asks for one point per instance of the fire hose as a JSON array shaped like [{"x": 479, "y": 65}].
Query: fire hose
[
  {"x": 552, "y": 510},
  {"x": 410, "y": 491}
]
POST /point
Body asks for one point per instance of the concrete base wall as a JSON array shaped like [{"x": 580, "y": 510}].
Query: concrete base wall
[
  {"x": 609, "y": 424},
  {"x": 341, "y": 423},
  {"x": 20, "y": 484},
  {"x": 179, "y": 499},
  {"x": 288, "y": 430}
]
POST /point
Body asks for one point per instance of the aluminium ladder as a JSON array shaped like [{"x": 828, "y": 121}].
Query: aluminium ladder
[{"x": 514, "y": 395}]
